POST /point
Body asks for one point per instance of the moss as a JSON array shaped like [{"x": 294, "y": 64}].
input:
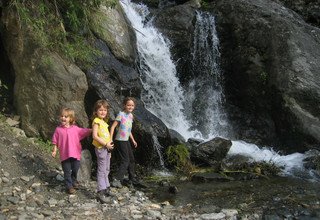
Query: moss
[
  {"x": 59, "y": 26},
  {"x": 179, "y": 157}
]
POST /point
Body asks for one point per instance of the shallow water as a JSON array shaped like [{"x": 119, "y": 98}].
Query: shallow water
[{"x": 283, "y": 197}]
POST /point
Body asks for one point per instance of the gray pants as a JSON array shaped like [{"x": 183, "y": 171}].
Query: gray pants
[{"x": 103, "y": 170}]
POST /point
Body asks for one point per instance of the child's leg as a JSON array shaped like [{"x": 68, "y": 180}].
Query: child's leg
[
  {"x": 131, "y": 161},
  {"x": 124, "y": 159},
  {"x": 102, "y": 168},
  {"x": 66, "y": 167},
  {"x": 75, "y": 166},
  {"x": 108, "y": 169}
]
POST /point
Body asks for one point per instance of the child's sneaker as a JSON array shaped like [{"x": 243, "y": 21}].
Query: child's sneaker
[
  {"x": 76, "y": 185},
  {"x": 102, "y": 197},
  {"x": 71, "y": 190},
  {"x": 116, "y": 183},
  {"x": 108, "y": 192}
]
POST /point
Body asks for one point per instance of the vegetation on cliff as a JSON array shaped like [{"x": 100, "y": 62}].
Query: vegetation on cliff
[{"x": 60, "y": 26}]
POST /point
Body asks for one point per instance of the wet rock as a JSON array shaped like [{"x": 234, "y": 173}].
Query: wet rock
[{"x": 211, "y": 152}]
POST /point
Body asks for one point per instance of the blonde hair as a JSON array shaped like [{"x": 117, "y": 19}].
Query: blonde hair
[
  {"x": 100, "y": 103},
  {"x": 70, "y": 113}
]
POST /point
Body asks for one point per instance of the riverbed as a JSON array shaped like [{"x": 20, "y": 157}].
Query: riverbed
[{"x": 272, "y": 198}]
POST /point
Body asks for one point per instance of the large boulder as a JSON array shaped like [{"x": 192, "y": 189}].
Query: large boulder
[
  {"x": 44, "y": 81},
  {"x": 211, "y": 153},
  {"x": 111, "y": 26}
]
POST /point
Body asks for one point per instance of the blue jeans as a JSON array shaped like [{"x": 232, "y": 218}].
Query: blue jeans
[
  {"x": 70, "y": 169},
  {"x": 103, "y": 170}
]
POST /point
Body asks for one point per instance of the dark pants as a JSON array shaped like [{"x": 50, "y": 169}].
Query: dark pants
[
  {"x": 126, "y": 160},
  {"x": 70, "y": 169}
]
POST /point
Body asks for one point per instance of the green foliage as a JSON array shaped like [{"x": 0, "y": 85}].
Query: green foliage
[
  {"x": 179, "y": 157},
  {"x": 59, "y": 25},
  {"x": 45, "y": 145},
  {"x": 252, "y": 170}
]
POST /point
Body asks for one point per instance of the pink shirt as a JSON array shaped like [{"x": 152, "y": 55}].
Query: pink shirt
[{"x": 68, "y": 141}]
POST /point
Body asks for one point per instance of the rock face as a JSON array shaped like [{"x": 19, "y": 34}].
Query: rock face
[
  {"x": 269, "y": 56},
  {"x": 177, "y": 23},
  {"x": 272, "y": 55},
  {"x": 110, "y": 25},
  {"x": 269, "y": 59},
  {"x": 113, "y": 81},
  {"x": 44, "y": 82}
]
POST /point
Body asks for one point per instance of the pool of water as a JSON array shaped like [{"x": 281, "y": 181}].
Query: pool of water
[{"x": 280, "y": 196}]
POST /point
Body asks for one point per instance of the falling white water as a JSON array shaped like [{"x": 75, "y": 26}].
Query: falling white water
[
  {"x": 164, "y": 97},
  {"x": 292, "y": 164},
  {"x": 158, "y": 148},
  {"x": 205, "y": 106},
  {"x": 162, "y": 93}
]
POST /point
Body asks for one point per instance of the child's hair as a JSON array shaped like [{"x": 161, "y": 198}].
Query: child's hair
[
  {"x": 70, "y": 113},
  {"x": 98, "y": 105},
  {"x": 128, "y": 99}
]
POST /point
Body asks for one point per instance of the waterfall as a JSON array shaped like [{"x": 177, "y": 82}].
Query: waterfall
[
  {"x": 158, "y": 148},
  {"x": 162, "y": 94},
  {"x": 198, "y": 109},
  {"x": 205, "y": 90}
]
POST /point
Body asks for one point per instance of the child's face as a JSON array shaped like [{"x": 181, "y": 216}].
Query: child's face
[
  {"x": 65, "y": 119},
  {"x": 129, "y": 106},
  {"x": 102, "y": 112}
]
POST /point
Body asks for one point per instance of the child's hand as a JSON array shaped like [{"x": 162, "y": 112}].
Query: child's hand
[
  {"x": 134, "y": 143},
  {"x": 53, "y": 154},
  {"x": 110, "y": 145}
]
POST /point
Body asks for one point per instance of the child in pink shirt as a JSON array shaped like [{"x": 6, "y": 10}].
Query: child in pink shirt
[{"x": 67, "y": 139}]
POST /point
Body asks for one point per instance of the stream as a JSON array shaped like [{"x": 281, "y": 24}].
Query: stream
[{"x": 270, "y": 198}]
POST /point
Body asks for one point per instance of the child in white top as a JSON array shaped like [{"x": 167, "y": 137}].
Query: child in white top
[{"x": 124, "y": 119}]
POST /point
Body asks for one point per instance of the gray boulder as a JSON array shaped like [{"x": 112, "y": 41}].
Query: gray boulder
[{"x": 211, "y": 153}]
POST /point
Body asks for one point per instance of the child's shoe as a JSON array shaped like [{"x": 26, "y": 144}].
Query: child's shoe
[
  {"x": 71, "y": 190},
  {"x": 108, "y": 192},
  {"x": 102, "y": 197},
  {"x": 116, "y": 183},
  {"x": 76, "y": 185}
]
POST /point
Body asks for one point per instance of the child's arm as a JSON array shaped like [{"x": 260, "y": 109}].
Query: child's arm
[
  {"x": 84, "y": 132},
  {"x": 113, "y": 127},
  {"x": 133, "y": 141},
  {"x": 54, "y": 151},
  {"x": 95, "y": 136}
]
